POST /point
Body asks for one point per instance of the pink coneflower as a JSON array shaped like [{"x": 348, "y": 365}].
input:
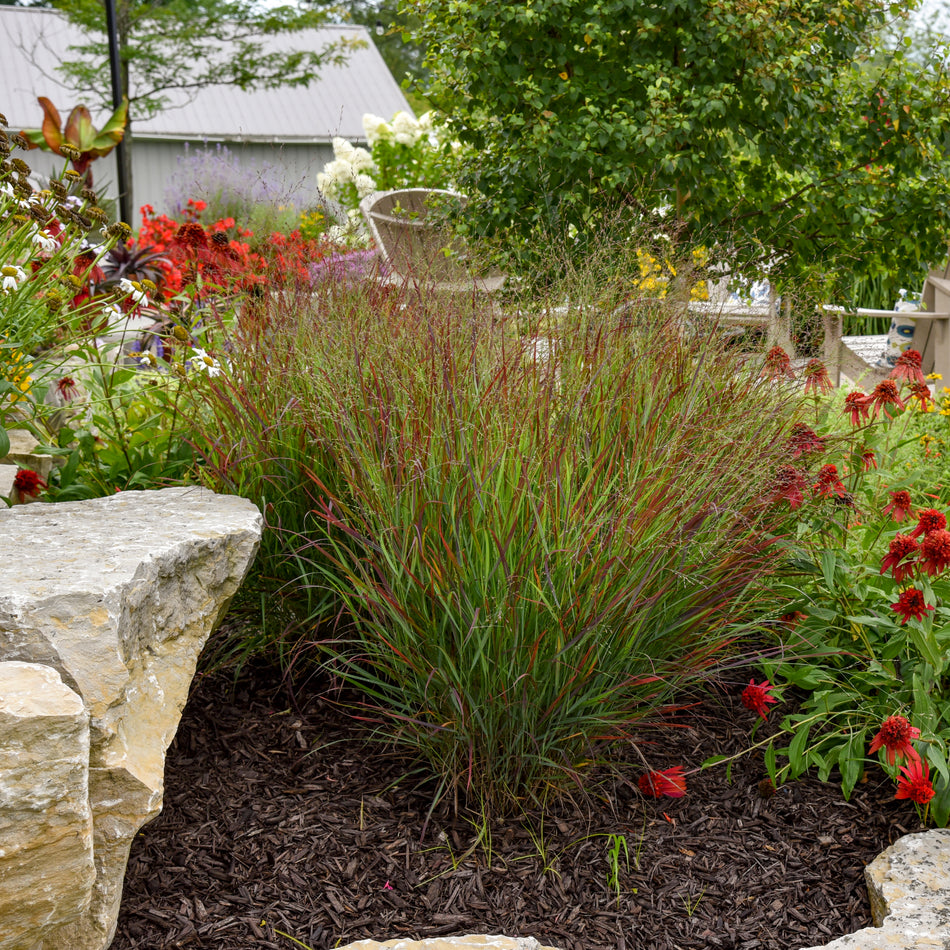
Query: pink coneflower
[
  {"x": 895, "y": 736},
  {"x": 901, "y": 547},
  {"x": 899, "y": 506},
  {"x": 757, "y": 696},
  {"x": 929, "y": 520},
  {"x": 911, "y": 604},
  {"x": 667, "y": 783},
  {"x": 856, "y": 404},
  {"x": 908, "y": 367},
  {"x": 921, "y": 392},
  {"x": 817, "y": 378},
  {"x": 914, "y": 782},
  {"x": 935, "y": 552}
]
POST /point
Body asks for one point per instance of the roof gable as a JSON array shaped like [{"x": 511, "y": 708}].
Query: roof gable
[{"x": 34, "y": 41}]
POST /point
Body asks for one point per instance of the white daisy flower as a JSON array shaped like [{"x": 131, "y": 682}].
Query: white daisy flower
[
  {"x": 134, "y": 290},
  {"x": 10, "y": 277}
]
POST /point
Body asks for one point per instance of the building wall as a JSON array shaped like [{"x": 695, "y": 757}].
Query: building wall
[{"x": 166, "y": 173}]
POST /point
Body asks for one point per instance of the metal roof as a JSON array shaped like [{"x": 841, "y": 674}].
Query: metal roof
[{"x": 34, "y": 41}]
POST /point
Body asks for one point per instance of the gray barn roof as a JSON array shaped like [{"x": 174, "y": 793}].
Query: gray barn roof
[{"x": 34, "y": 41}]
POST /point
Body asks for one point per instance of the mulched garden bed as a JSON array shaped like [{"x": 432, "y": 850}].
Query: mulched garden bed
[{"x": 277, "y": 816}]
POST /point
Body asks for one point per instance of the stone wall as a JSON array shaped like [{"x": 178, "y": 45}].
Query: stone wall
[{"x": 104, "y": 608}]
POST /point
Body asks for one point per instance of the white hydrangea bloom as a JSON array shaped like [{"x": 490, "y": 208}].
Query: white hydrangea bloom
[
  {"x": 406, "y": 130},
  {"x": 364, "y": 185},
  {"x": 375, "y": 128}
]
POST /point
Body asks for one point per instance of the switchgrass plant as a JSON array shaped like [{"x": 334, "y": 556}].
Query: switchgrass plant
[{"x": 516, "y": 546}]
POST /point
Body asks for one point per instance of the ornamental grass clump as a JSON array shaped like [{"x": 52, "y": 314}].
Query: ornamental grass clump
[{"x": 520, "y": 546}]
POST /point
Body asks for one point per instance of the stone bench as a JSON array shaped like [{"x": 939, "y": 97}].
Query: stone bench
[{"x": 104, "y": 608}]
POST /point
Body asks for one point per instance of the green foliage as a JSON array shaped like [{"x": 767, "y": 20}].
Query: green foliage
[
  {"x": 859, "y": 660},
  {"x": 187, "y": 44},
  {"x": 766, "y": 120}
]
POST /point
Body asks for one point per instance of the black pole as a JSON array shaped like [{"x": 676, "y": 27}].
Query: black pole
[{"x": 125, "y": 212}]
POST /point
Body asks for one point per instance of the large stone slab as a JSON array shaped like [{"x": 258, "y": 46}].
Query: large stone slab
[
  {"x": 118, "y": 595},
  {"x": 909, "y": 887},
  {"x": 46, "y": 856}
]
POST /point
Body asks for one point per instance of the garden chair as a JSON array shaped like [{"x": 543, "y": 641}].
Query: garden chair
[
  {"x": 419, "y": 249},
  {"x": 857, "y": 357},
  {"x": 761, "y": 309}
]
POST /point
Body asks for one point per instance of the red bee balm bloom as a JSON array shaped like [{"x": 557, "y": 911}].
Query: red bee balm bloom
[
  {"x": 856, "y": 404},
  {"x": 935, "y": 552},
  {"x": 929, "y": 520},
  {"x": 804, "y": 441},
  {"x": 789, "y": 482},
  {"x": 894, "y": 736},
  {"x": 817, "y": 378},
  {"x": 885, "y": 394},
  {"x": 667, "y": 783},
  {"x": 914, "y": 783},
  {"x": 899, "y": 507},
  {"x": 757, "y": 696},
  {"x": 777, "y": 364},
  {"x": 911, "y": 604},
  {"x": 902, "y": 547},
  {"x": 908, "y": 367},
  {"x": 28, "y": 483},
  {"x": 828, "y": 483}
]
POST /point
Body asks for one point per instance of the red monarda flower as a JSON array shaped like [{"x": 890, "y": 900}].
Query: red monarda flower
[
  {"x": 66, "y": 387},
  {"x": 828, "y": 483},
  {"x": 817, "y": 378},
  {"x": 908, "y": 367},
  {"x": 935, "y": 552},
  {"x": 868, "y": 460},
  {"x": 28, "y": 483},
  {"x": 929, "y": 520},
  {"x": 789, "y": 482},
  {"x": 895, "y": 735},
  {"x": 914, "y": 782},
  {"x": 911, "y": 604},
  {"x": 191, "y": 234},
  {"x": 856, "y": 404},
  {"x": 757, "y": 696},
  {"x": 885, "y": 394},
  {"x": 667, "y": 783},
  {"x": 804, "y": 441},
  {"x": 899, "y": 506},
  {"x": 921, "y": 392},
  {"x": 777, "y": 364},
  {"x": 902, "y": 547}
]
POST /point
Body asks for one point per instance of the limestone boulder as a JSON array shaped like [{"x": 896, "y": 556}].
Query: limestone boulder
[
  {"x": 46, "y": 855},
  {"x": 118, "y": 595}
]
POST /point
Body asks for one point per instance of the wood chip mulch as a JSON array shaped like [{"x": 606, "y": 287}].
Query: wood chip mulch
[{"x": 278, "y": 816}]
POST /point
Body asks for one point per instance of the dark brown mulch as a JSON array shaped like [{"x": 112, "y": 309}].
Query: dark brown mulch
[{"x": 277, "y": 816}]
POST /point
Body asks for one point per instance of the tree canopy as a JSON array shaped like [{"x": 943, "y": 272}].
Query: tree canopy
[{"x": 782, "y": 122}]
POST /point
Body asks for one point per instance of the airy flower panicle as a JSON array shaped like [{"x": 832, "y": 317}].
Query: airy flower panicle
[
  {"x": 666, "y": 783},
  {"x": 757, "y": 696},
  {"x": 895, "y": 736}
]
